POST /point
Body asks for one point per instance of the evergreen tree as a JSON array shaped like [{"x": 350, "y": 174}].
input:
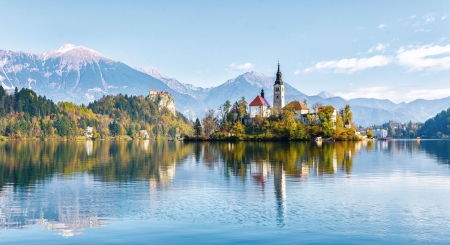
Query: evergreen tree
[
  {"x": 197, "y": 127},
  {"x": 114, "y": 128}
]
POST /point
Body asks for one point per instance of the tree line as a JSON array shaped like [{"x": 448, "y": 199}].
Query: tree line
[
  {"x": 437, "y": 126},
  {"x": 24, "y": 114},
  {"x": 228, "y": 123}
]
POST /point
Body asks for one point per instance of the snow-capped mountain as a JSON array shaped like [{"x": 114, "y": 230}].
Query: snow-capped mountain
[
  {"x": 152, "y": 71},
  {"x": 325, "y": 95},
  {"x": 79, "y": 74},
  {"x": 75, "y": 55},
  {"x": 248, "y": 85},
  {"x": 183, "y": 88},
  {"x": 366, "y": 112}
]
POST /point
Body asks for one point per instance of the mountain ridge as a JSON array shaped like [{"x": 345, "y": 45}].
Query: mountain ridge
[
  {"x": 366, "y": 111},
  {"x": 79, "y": 74},
  {"x": 325, "y": 94}
]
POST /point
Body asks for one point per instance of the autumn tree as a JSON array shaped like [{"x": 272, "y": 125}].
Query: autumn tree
[
  {"x": 210, "y": 122},
  {"x": 369, "y": 133},
  {"x": 242, "y": 107},
  {"x": 238, "y": 129}
]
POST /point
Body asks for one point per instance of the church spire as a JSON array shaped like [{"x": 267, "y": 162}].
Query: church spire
[{"x": 279, "y": 75}]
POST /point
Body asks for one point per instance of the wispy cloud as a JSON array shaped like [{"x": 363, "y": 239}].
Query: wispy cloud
[
  {"x": 394, "y": 94},
  {"x": 240, "y": 67},
  {"x": 421, "y": 30},
  {"x": 444, "y": 17},
  {"x": 368, "y": 92},
  {"x": 429, "y": 19},
  {"x": 424, "y": 58},
  {"x": 348, "y": 66},
  {"x": 380, "y": 26},
  {"x": 425, "y": 19},
  {"x": 379, "y": 47},
  {"x": 429, "y": 58}
]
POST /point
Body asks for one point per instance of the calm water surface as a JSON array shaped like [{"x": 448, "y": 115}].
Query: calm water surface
[{"x": 176, "y": 193}]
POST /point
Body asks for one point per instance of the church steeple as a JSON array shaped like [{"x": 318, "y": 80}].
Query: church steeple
[
  {"x": 279, "y": 76},
  {"x": 278, "y": 91}
]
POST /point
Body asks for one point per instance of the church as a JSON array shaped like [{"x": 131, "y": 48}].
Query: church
[{"x": 260, "y": 107}]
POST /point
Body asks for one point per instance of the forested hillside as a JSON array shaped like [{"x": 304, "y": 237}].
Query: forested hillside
[
  {"x": 438, "y": 126},
  {"x": 138, "y": 112},
  {"x": 24, "y": 114}
]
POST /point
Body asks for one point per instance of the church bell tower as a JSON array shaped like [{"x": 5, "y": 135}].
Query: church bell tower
[{"x": 278, "y": 91}]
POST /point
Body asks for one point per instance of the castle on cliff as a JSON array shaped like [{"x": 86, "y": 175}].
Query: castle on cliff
[{"x": 164, "y": 100}]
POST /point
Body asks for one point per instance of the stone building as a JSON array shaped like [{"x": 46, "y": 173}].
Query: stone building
[{"x": 164, "y": 100}]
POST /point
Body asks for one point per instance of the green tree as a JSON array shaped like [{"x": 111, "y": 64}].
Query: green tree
[
  {"x": 114, "y": 128},
  {"x": 437, "y": 126},
  {"x": 64, "y": 126},
  {"x": 197, "y": 127},
  {"x": 226, "y": 111},
  {"x": 347, "y": 115},
  {"x": 326, "y": 119}
]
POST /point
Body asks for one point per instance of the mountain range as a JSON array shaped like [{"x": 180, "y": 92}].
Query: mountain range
[{"x": 81, "y": 75}]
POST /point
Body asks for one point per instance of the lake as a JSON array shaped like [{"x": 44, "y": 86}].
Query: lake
[{"x": 145, "y": 192}]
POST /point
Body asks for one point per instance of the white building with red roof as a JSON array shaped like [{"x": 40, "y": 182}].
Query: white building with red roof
[
  {"x": 301, "y": 111},
  {"x": 259, "y": 106}
]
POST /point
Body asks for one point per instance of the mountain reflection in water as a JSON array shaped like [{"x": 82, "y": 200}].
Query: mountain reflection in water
[{"x": 62, "y": 185}]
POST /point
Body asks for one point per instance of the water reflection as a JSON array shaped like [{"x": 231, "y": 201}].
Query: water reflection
[
  {"x": 279, "y": 180},
  {"x": 60, "y": 185},
  {"x": 64, "y": 209},
  {"x": 24, "y": 164}
]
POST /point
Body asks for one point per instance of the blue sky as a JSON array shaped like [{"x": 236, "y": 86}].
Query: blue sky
[{"x": 398, "y": 50}]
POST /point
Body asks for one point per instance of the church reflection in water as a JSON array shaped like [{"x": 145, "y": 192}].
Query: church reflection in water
[{"x": 59, "y": 174}]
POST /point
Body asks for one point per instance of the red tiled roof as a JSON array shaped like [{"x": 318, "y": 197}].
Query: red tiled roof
[
  {"x": 320, "y": 108},
  {"x": 297, "y": 105},
  {"x": 259, "y": 101}
]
